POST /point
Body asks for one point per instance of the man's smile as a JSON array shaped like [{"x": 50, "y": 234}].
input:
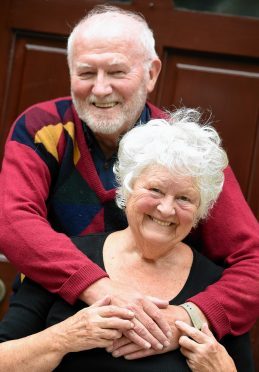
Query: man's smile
[{"x": 105, "y": 104}]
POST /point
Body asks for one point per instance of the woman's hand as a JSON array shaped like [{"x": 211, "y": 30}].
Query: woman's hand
[
  {"x": 150, "y": 328},
  {"x": 96, "y": 326},
  {"x": 202, "y": 351},
  {"x": 124, "y": 346}
]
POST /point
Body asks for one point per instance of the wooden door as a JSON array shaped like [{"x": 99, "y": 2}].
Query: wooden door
[{"x": 209, "y": 61}]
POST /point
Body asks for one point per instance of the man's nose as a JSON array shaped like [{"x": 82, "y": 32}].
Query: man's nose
[
  {"x": 101, "y": 86},
  {"x": 166, "y": 207}
]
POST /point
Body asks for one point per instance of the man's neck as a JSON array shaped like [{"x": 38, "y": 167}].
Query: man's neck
[
  {"x": 109, "y": 142},
  {"x": 109, "y": 146}
]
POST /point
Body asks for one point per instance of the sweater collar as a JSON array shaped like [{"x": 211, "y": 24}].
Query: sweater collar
[{"x": 89, "y": 135}]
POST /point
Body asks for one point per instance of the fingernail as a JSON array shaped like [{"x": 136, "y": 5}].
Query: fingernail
[
  {"x": 166, "y": 343},
  {"x": 132, "y": 325},
  {"x": 169, "y": 334},
  {"x": 159, "y": 346},
  {"x": 131, "y": 313},
  {"x": 109, "y": 349},
  {"x": 147, "y": 345},
  {"x": 116, "y": 354}
]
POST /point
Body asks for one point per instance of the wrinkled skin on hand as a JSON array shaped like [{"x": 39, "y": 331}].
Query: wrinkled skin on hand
[
  {"x": 202, "y": 351},
  {"x": 95, "y": 326},
  {"x": 151, "y": 329},
  {"x": 124, "y": 347}
]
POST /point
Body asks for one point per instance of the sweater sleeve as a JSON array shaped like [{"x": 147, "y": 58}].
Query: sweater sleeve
[
  {"x": 26, "y": 237},
  {"x": 231, "y": 235}
]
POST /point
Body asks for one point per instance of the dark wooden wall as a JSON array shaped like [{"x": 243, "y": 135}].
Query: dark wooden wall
[{"x": 209, "y": 61}]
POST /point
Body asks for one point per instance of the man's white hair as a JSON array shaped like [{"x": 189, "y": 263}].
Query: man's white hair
[
  {"x": 101, "y": 13},
  {"x": 182, "y": 145}
]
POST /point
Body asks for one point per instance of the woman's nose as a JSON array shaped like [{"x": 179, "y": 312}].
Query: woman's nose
[
  {"x": 166, "y": 207},
  {"x": 101, "y": 86}
]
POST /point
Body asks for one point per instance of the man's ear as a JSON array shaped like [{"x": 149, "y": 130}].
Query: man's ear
[{"x": 154, "y": 71}]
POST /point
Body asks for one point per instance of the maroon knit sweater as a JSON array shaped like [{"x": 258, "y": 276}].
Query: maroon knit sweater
[{"x": 48, "y": 139}]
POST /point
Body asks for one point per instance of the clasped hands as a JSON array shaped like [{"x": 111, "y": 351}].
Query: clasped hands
[{"x": 152, "y": 325}]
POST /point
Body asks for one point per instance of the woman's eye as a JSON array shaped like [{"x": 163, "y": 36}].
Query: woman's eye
[
  {"x": 154, "y": 189},
  {"x": 184, "y": 198}
]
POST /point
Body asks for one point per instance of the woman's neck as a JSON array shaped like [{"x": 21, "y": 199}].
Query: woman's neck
[{"x": 124, "y": 261}]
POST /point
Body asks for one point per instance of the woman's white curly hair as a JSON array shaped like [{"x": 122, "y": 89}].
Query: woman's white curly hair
[{"x": 181, "y": 144}]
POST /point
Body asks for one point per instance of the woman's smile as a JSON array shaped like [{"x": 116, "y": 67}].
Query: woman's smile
[{"x": 160, "y": 222}]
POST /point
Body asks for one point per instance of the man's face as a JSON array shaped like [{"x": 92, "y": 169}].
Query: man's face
[{"x": 109, "y": 82}]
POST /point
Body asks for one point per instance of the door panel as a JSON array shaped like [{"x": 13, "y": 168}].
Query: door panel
[
  {"x": 227, "y": 87},
  {"x": 37, "y": 71}
]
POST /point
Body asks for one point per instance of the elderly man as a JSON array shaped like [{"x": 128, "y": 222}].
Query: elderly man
[{"x": 57, "y": 181}]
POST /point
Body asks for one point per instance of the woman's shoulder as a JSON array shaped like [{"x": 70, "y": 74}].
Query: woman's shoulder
[
  {"x": 84, "y": 243},
  {"x": 206, "y": 267}
]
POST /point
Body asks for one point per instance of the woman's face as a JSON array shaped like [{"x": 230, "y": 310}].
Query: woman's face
[{"x": 162, "y": 208}]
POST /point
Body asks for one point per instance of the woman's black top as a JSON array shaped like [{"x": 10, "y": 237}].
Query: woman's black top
[{"x": 32, "y": 309}]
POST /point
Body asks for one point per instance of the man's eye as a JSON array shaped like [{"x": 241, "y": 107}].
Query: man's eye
[
  {"x": 86, "y": 75},
  {"x": 117, "y": 73}
]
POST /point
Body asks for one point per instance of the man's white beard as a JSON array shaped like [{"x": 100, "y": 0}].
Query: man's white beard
[{"x": 126, "y": 117}]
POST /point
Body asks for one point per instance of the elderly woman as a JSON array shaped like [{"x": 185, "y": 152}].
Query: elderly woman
[{"x": 170, "y": 173}]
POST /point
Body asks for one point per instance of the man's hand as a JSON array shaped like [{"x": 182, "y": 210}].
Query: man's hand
[
  {"x": 151, "y": 329},
  {"x": 124, "y": 347}
]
